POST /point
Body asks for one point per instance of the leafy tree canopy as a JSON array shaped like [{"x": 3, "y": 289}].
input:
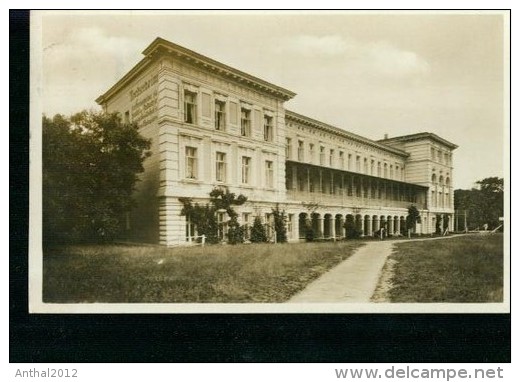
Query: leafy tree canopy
[
  {"x": 483, "y": 204},
  {"x": 91, "y": 163}
]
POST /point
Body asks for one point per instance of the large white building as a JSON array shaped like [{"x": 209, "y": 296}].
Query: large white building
[{"x": 212, "y": 125}]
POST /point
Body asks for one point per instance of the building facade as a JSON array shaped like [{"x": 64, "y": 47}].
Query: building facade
[{"x": 211, "y": 125}]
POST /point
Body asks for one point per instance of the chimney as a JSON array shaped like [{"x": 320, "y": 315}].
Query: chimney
[{"x": 386, "y": 135}]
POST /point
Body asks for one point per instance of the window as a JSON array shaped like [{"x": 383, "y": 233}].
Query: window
[
  {"x": 190, "y": 230},
  {"x": 221, "y": 167},
  {"x": 379, "y": 169},
  {"x": 432, "y": 153},
  {"x": 300, "y": 151},
  {"x": 446, "y": 158},
  {"x": 358, "y": 163},
  {"x": 290, "y": 218},
  {"x": 220, "y": 115},
  {"x": 385, "y": 174},
  {"x": 391, "y": 172},
  {"x": 246, "y": 169},
  {"x": 191, "y": 162},
  {"x": 322, "y": 155},
  {"x": 349, "y": 163},
  {"x": 269, "y": 173},
  {"x": 268, "y": 128},
  {"x": 397, "y": 173},
  {"x": 331, "y": 158},
  {"x": 127, "y": 116},
  {"x": 372, "y": 163},
  {"x": 190, "y": 107},
  {"x": 439, "y": 156},
  {"x": 245, "y": 123},
  {"x": 342, "y": 160},
  {"x": 311, "y": 152},
  {"x": 288, "y": 148},
  {"x": 246, "y": 222},
  {"x": 365, "y": 165},
  {"x": 222, "y": 225}
]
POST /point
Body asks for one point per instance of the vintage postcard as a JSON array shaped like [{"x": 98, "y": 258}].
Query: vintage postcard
[{"x": 270, "y": 162}]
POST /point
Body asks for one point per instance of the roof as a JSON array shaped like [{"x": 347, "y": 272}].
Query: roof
[
  {"x": 346, "y": 134},
  {"x": 161, "y": 46},
  {"x": 418, "y": 136}
]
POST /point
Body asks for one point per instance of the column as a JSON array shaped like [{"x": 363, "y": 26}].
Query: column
[
  {"x": 398, "y": 228},
  {"x": 362, "y": 225},
  {"x": 390, "y": 226},
  {"x": 333, "y": 226},
  {"x": 369, "y": 226},
  {"x": 321, "y": 223}
]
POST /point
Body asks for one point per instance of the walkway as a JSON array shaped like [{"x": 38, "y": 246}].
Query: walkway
[{"x": 355, "y": 279}]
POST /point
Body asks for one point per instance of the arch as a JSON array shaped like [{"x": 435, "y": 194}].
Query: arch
[
  {"x": 434, "y": 178},
  {"x": 359, "y": 223},
  {"x": 327, "y": 225},
  {"x": 441, "y": 180},
  {"x": 316, "y": 224},
  {"x": 402, "y": 223},
  {"x": 350, "y": 226},
  {"x": 383, "y": 225},
  {"x": 447, "y": 181},
  {"x": 303, "y": 225}
]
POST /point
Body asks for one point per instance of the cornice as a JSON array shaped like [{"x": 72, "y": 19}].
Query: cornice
[
  {"x": 419, "y": 136},
  {"x": 161, "y": 48},
  {"x": 336, "y": 130}
]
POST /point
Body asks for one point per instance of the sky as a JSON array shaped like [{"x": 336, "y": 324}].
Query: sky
[{"x": 368, "y": 73}]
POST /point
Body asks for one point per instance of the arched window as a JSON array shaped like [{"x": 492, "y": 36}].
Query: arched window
[
  {"x": 434, "y": 178},
  {"x": 448, "y": 181},
  {"x": 441, "y": 180}
]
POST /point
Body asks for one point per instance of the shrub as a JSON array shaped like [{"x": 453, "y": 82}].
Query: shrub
[
  {"x": 279, "y": 225},
  {"x": 235, "y": 231},
  {"x": 258, "y": 234},
  {"x": 352, "y": 231}
]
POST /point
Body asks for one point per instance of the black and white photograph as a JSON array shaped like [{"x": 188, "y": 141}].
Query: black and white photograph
[{"x": 269, "y": 162}]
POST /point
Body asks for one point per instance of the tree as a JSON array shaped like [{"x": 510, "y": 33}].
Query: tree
[
  {"x": 483, "y": 204},
  {"x": 235, "y": 231},
  {"x": 90, "y": 165},
  {"x": 258, "y": 234},
  {"x": 204, "y": 217},
  {"x": 412, "y": 218},
  {"x": 352, "y": 228},
  {"x": 280, "y": 220}
]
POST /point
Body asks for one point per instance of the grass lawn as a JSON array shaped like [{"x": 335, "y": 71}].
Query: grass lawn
[
  {"x": 461, "y": 269},
  {"x": 221, "y": 273}
]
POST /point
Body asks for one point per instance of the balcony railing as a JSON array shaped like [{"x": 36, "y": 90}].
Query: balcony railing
[{"x": 345, "y": 200}]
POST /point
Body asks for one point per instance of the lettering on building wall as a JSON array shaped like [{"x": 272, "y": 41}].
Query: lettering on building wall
[{"x": 144, "y": 101}]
